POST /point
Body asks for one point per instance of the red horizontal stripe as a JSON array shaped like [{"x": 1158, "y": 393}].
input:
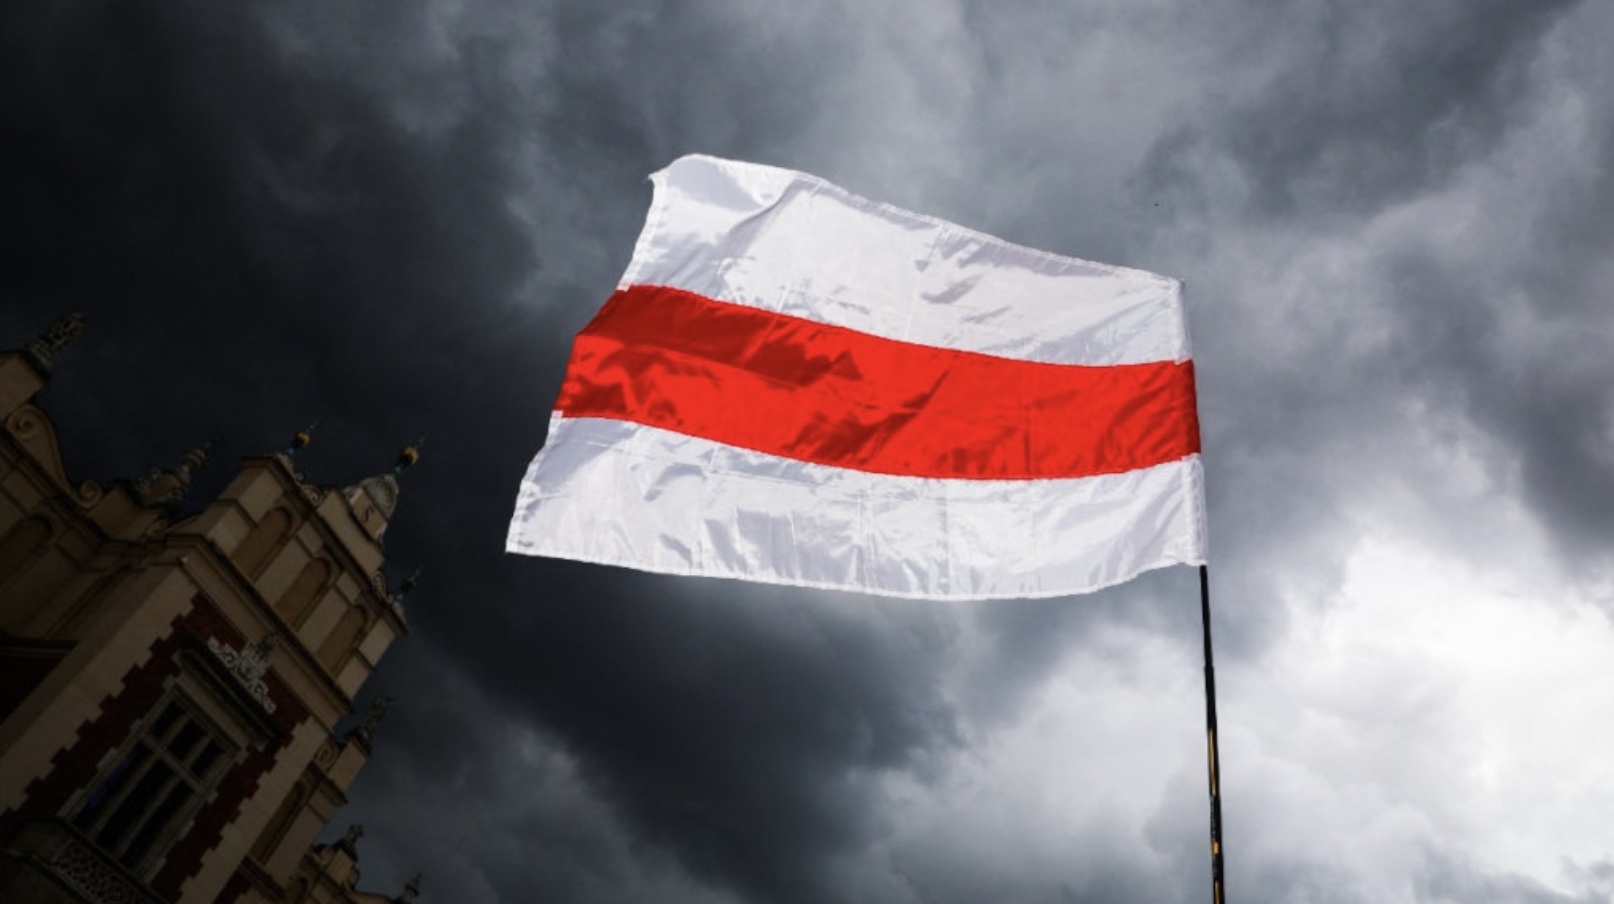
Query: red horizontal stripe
[{"x": 813, "y": 392}]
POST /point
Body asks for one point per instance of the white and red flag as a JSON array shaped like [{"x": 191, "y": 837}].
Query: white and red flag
[{"x": 797, "y": 385}]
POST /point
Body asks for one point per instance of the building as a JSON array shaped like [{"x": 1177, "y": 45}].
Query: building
[{"x": 172, "y": 680}]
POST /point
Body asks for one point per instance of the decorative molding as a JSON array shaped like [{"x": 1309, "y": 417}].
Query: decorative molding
[
  {"x": 89, "y": 493},
  {"x": 248, "y": 665},
  {"x": 383, "y": 489},
  {"x": 80, "y": 866},
  {"x": 221, "y": 567},
  {"x": 166, "y": 486},
  {"x": 350, "y": 841},
  {"x": 394, "y": 602},
  {"x": 33, "y": 430},
  {"x": 63, "y": 332},
  {"x": 364, "y": 732},
  {"x": 26, "y": 422}
]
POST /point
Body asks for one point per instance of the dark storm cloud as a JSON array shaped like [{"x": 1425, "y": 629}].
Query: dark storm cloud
[
  {"x": 746, "y": 732},
  {"x": 1358, "y": 110},
  {"x": 743, "y": 78},
  {"x": 393, "y": 215},
  {"x": 224, "y": 213},
  {"x": 1554, "y": 403},
  {"x": 1358, "y": 103},
  {"x": 496, "y": 807},
  {"x": 1507, "y": 326},
  {"x": 1549, "y": 405},
  {"x": 286, "y": 226}
]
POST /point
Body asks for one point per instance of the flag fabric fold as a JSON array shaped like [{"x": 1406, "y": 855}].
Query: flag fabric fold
[{"x": 797, "y": 385}]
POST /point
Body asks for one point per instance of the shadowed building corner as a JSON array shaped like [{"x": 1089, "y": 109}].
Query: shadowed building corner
[{"x": 173, "y": 675}]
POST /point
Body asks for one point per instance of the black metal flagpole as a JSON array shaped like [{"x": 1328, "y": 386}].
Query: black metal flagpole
[{"x": 1214, "y": 755}]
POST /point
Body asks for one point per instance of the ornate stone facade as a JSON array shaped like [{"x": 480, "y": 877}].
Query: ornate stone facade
[{"x": 172, "y": 681}]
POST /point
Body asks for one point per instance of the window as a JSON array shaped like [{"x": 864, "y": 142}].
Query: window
[{"x": 158, "y": 781}]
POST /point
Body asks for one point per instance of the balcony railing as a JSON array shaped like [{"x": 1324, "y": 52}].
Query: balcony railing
[{"x": 58, "y": 850}]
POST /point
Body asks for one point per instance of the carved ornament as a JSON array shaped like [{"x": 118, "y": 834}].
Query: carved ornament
[{"x": 248, "y": 665}]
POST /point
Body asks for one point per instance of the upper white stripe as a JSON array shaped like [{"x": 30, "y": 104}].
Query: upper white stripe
[
  {"x": 793, "y": 243},
  {"x": 621, "y": 493}
]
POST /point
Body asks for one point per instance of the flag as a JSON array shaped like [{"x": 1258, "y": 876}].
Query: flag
[{"x": 797, "y": 385}]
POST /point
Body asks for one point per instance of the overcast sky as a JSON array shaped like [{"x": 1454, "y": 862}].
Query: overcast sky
[{"x": 1394, "y": 220}]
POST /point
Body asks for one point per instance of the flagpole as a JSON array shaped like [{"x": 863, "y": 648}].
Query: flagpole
[{"x": 1214, "y": 755}]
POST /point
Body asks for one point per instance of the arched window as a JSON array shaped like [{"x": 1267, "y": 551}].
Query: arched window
[
  {"x": 342, "y": 639},
  {"x": 20, "y": 545},
  {"x": 255, "y": 550},
  {"x": 304, "y": 592}
]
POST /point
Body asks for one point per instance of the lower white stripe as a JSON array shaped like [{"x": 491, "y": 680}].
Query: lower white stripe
[{"x": 621, "y": 493}]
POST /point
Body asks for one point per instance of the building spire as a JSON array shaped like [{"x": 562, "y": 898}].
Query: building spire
[
  {"x": 66, "y": 330},
  {"x": 382, "y": 490},
  {"x": 410, "y": 582},
  {"x": 408, "y": 455},
  {"x": 164, "y": 487},
  {"x": 350, "y": 841},
  {"x": 364, "y": 732},
  {"x": 300, "y": 440},
  {"x": 397, "y": 597}
]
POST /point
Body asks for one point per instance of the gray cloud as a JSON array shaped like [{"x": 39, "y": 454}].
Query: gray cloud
[
  {"x": 1344, "y": 107},
  {"x": 1449, "y": 879},
  {"x": 392, "y": 217}
]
